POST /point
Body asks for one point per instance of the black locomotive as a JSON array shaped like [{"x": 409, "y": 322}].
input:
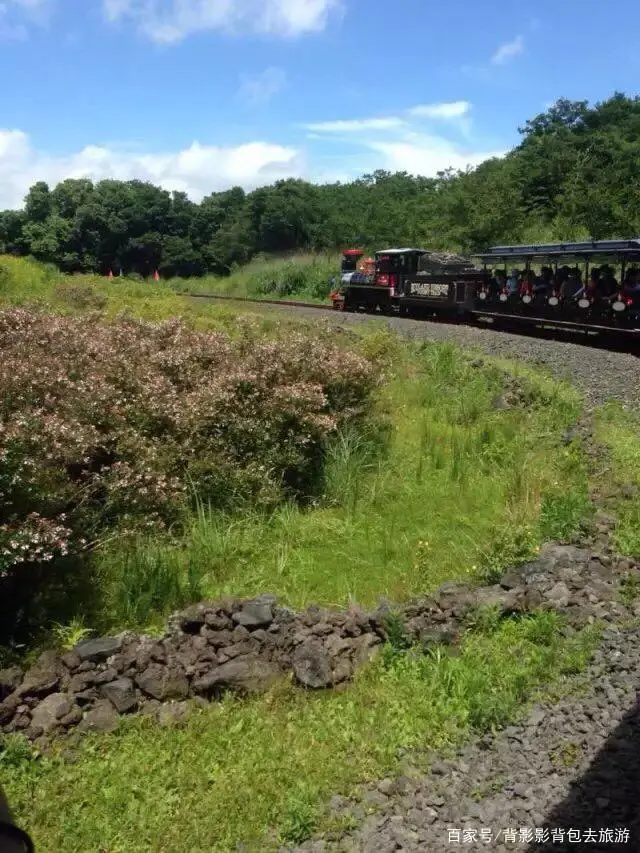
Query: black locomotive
[{"x": 588, "y": 285}]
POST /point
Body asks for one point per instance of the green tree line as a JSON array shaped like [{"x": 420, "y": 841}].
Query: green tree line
[{"x": 575, "y": 173}]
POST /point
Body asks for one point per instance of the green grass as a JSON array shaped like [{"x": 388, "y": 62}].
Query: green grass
[
  {"x": 23, "y": 281},
  {"x": 457, "y": 490},
  {"x": 442, "y": 486},
  {"x": 304, "y": 276},
  {"x": 618, "y": 430},
  {"x": 256, "y": 771}
]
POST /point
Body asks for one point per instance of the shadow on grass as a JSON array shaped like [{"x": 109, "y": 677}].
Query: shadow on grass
[
  {"x": 602, "y": 810},
  {"x": 41, "y": 594}
]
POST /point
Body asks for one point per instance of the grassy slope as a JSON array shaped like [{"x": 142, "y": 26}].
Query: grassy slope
[
  {"x": 618, "y": 430},
  {"x": 463, "y": 485}
]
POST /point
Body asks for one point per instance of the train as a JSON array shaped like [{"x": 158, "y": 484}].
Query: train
[{"x": 587, "y": 286}]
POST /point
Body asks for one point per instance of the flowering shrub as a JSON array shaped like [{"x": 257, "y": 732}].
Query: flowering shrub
[{"x": 110, "y": 424}]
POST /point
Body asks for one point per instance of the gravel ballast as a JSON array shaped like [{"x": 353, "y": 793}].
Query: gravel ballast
[
  {"x": 566, "y": 778},
  {"x": 599, "y": 374}
]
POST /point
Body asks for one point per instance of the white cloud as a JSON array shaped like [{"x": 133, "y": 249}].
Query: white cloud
[
  {"x": 261, "y": 88},
  {"x": 171, "y": 21},
  {"x": 445, "y": 111},
  {"x": 15, "y": 15},
  {"x": 428, "y": 155},
  {"x": 356, "y": 125},
  {"x": 508, "y": 51},
  {"x": 197, "y": 170},
  {"x": 342, "y": 150}
]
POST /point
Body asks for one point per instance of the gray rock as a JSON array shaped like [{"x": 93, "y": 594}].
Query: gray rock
[
  {"x": 94, "y": 651},
  {"x": 248, "y": 674},
  {"x": 48, "y": 713},
  {"x": 312, "y": 665},
  {"x": 9, "y": 680},
  {"x": 162, "y": 683},
  {"x": 8, "y": 708},
  {"x": 121, "y": 693},
  {"x": 173, "y": 713},
  {"x": 101, "y": 718},
  {"x": 71, "y": 660},
  {"x": 192, "y": 619},
  {"x": 255, "y": 614},
  {"x": 72, "y": 718},
  {"x": 559, "y": 595},
  {"x": 43, "y": 677}
]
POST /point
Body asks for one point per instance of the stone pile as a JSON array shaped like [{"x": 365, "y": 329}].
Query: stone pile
[{"x": 244, "y": 646}]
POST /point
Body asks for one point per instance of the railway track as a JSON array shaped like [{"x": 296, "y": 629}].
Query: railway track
[{"x": 601, "y": 339}]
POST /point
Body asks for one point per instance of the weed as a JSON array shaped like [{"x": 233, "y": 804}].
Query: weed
[
  {"x": 68, "y": 636},
  {"x": 630, "y": 588}
]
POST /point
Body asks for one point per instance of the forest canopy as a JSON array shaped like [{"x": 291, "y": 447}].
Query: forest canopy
[{"x": 574, "y": 174}]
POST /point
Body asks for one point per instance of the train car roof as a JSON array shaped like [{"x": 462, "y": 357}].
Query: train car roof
[
  {"x": 620, "y": 248},
  {"x": 402, "y": 251}
]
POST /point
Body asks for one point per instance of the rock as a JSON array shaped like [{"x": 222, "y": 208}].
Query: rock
[
  {"x": 121, "y": 693},
  {"x": 8, "y": 708},
  {"x": 9, "y": 681},
  {"x": 312, "y": 665},
  {"x": 237, "y": 650},
  {"x": 71, "y": 660},
  {"x": 248, "y": 674},
  {"x": 175, "y": 712},
  {"x": 559, "y": 595},
  {"x": 192, "y": 619},
  {"x": 240, "y": 633},
  {"x": 163, "y": 683},
  {"x": 218, "y": 621},
  {"x": 105, "y": 676},
  {"x": 335, "y": 644},
  {"x": 101, "y": 718},
  {"x": 365, "y": 648},
  {"x": 256, "y": 614},
  {"x": 511, "y": 579},
  {"x": 95, "y": 651},
  {"x": 72, "y": 718},
  {"x": 47, "y": 715},
  {"x": 43, "y": 678},
  {"x": 86, "y": 697}
]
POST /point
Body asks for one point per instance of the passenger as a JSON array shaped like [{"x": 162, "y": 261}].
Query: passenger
[
  {"x": 608, "y": 284},
  {"x": 631, "y": 286},
  {"x": 498, "y": 283},
  {"x": 527, "y": 283},
  {"x": 571, "y": 287},
  {"x": 513, "y": 284},
  {"x": 544, "y": 282}
]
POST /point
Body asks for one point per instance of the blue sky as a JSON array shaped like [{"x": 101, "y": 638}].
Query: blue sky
[{"x": 199, "y": 95}]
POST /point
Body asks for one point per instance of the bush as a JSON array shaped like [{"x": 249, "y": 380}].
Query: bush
[
  {"x": 119, "y": 425},
  {"x": 81, "y": 297}
]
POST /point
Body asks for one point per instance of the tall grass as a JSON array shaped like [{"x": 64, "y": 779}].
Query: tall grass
[
  {"x": 303, "y": 276},
  {"x": 453, "y": 489},
  {"x": 617, "y": 429}
]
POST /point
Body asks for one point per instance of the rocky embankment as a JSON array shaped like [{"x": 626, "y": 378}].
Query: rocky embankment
[{"x": 243, "y": 646}]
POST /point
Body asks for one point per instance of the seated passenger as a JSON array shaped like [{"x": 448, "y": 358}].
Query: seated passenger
[
  {"x": 544, "y": 282},
  {"x": 608, "y": 285},
  {"x": 498, "y": 283},
  {"x": 527, "y": 283},
  {"x": 513, "y": 284},
  {"x": 631, "y": 286},
  {"x": 571, "y": 287}
]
